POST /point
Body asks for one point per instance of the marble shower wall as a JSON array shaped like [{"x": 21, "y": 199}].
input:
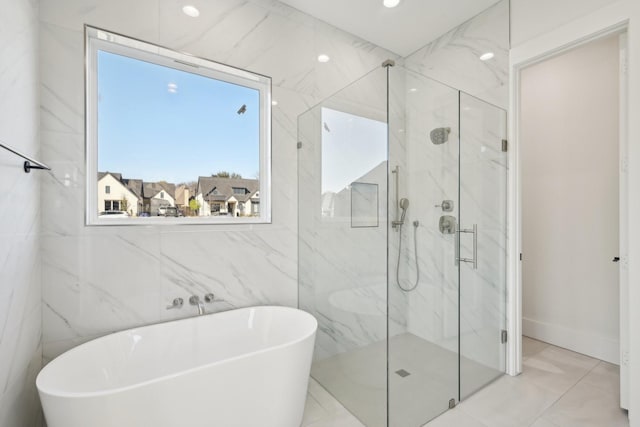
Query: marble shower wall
[
  {"x": 428, "y": 174},
  {"x": 453, "y": 59},
  {"x": 98, "y": 280},
  {"x": 342, "y": 267},
  {"x": 20, "y": 291},
  {"x": 431, "y": 174}
]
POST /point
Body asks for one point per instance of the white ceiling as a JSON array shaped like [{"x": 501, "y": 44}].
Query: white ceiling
[{"x": 403, "y": 29}]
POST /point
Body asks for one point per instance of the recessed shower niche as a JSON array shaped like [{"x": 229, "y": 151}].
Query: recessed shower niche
[{"x": 410, "y": 317}]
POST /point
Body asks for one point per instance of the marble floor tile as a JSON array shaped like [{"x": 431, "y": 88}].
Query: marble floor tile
[
  {"x": 542, "y": 422},
  {"x": 557, "y": 369},
  {"x": 558, "y": 388},
  {"x": 509, "y": 402},
  {"x": 456, "y": 417},
  {"x": 588, "y": 405},
  {"x": 344, "y": 420},
  {"x": 531, "y": 347},
  {"x": 429, "y": 380},
  {"x": 322, "y": 409},
  {"x": 606, "y": 376}
]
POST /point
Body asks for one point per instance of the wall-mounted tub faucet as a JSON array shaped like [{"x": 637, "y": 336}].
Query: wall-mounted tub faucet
[
  {"x": 176, "y": 303},
  {"x": 195, "y": 300}
]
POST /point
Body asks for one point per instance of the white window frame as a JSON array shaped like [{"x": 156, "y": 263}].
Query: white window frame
[{"x": 101, "y": 40}]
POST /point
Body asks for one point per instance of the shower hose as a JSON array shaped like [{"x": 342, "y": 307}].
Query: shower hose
[{"x": 415, "y": 252}]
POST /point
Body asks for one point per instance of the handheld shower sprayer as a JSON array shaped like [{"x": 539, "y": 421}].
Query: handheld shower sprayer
[{"x": 404, "y": 204}]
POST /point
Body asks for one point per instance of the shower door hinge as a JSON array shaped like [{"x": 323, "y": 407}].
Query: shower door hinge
[
  {"x": 299, "y": 145},
  {"x": 505, "y": 145},
  {"x": 503, "y": 336}
]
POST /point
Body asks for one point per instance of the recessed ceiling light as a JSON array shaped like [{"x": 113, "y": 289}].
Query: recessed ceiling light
[
  {"x": 191, "y": 11},
  {"x": 323, "y": 58},
  {"x": 486, "y": 56},
  {"x": 172, "y": 88},
  {"x": 390, "y": 3},
  {"x": 413, "y": 89},
  {"x": 274, "y": 102}
]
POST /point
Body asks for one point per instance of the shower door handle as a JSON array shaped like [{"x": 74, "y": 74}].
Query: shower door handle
[{"x": 473, "y": 260}]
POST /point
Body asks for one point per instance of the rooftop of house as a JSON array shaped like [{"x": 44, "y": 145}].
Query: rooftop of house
[
  {"x": 150, "y": 189},
  {"x": 221, "y": 189},
  {"x": 140, "y": 188}
]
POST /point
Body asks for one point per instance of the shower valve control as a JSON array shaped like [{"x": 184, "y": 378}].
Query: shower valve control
[
  {"x": 446, "y": 205},
  {"x": 447, "y": 224}
]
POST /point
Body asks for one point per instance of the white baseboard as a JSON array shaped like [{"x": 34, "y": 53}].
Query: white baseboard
[{"x": 593, "y": 345}]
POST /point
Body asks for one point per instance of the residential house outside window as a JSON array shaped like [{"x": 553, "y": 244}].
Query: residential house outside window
[
  {"x": 112, "y": 205},
  {"x": 166, "y": 119}
]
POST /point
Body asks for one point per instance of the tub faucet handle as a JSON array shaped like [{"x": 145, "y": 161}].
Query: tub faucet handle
[
  {"x": 209, "y": 297},
  {"x": 195, "y": 300},
  {"x": 177, "y": 303}
]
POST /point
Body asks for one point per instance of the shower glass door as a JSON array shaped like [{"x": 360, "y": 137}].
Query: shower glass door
[
  {"x": 482, "y": 243},
  {"x": 409, "y": 294},
  {"x": 342, "y": 243},
  {"x": 423, "y": 298}
]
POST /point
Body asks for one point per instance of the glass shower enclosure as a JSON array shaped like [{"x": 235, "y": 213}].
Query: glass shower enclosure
[{"x": 402, "y": 189}]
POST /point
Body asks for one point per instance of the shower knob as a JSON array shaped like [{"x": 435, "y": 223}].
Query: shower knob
[{"x": 447, "y": 206}]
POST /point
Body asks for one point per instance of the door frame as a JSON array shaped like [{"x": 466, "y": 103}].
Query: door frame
[{"x": 604, "y": 22}]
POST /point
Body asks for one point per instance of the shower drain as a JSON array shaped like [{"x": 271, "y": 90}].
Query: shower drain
[{"x": 403, "y": 373}]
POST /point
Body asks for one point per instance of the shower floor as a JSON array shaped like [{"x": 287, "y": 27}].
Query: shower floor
[{"x": 423, "y": 378}]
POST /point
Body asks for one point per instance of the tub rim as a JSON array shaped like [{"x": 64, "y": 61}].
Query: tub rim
[{"x": 116, "y": 390}]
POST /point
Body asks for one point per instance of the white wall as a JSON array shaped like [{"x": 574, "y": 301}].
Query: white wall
[
  {"x": 569, "y": 167},
  {"x": 84, "y": 294},
  {"x": 579, "y": 27},
  {"x": 20, "y": 290},
  {"x": 531, "y": 18}
]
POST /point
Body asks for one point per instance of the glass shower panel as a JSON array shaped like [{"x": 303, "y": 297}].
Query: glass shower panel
[
  {"x": 342, "y": 190},
  {"x": 423, "y": 346},
  {"x": 483, "y": 238}
]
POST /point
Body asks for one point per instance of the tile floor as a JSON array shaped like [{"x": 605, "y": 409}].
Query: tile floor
[
  {"x": 558, "y": 388},
  {"x": 358, "y": 379}
]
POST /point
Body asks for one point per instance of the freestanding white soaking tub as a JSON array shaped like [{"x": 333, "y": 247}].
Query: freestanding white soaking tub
[{"x": 241, "y": 368}]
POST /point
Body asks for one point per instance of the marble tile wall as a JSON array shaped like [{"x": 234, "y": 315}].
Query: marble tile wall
[
  {"x": 342, "y": 272},
  {"x": 427, "y": 175},
  {"x": 20, "y": 291},
  {"x": 453, "y": 58},
  {"x": 98, "y": 280},
  {"x": 452, "y": 63}
]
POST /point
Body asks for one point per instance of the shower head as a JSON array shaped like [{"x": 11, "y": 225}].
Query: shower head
[
  {"x": 440, "y": 135},
  {"x": 404, "y": 204}
]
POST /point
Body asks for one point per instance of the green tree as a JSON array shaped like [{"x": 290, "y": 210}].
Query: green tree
[
  {"x": 194, "y": 205},
  {"x": 225, "y": 174}
]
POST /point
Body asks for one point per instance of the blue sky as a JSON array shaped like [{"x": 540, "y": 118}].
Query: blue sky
[
  {"x": 152, "y": 130},
  {"x": 352, "y": 146}
]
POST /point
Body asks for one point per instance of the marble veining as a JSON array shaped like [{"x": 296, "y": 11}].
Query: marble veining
[
  {"x": 453, "y": 59},
  {"x": 20, "y": 217},
  {"x": 99, "y": 281}
]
